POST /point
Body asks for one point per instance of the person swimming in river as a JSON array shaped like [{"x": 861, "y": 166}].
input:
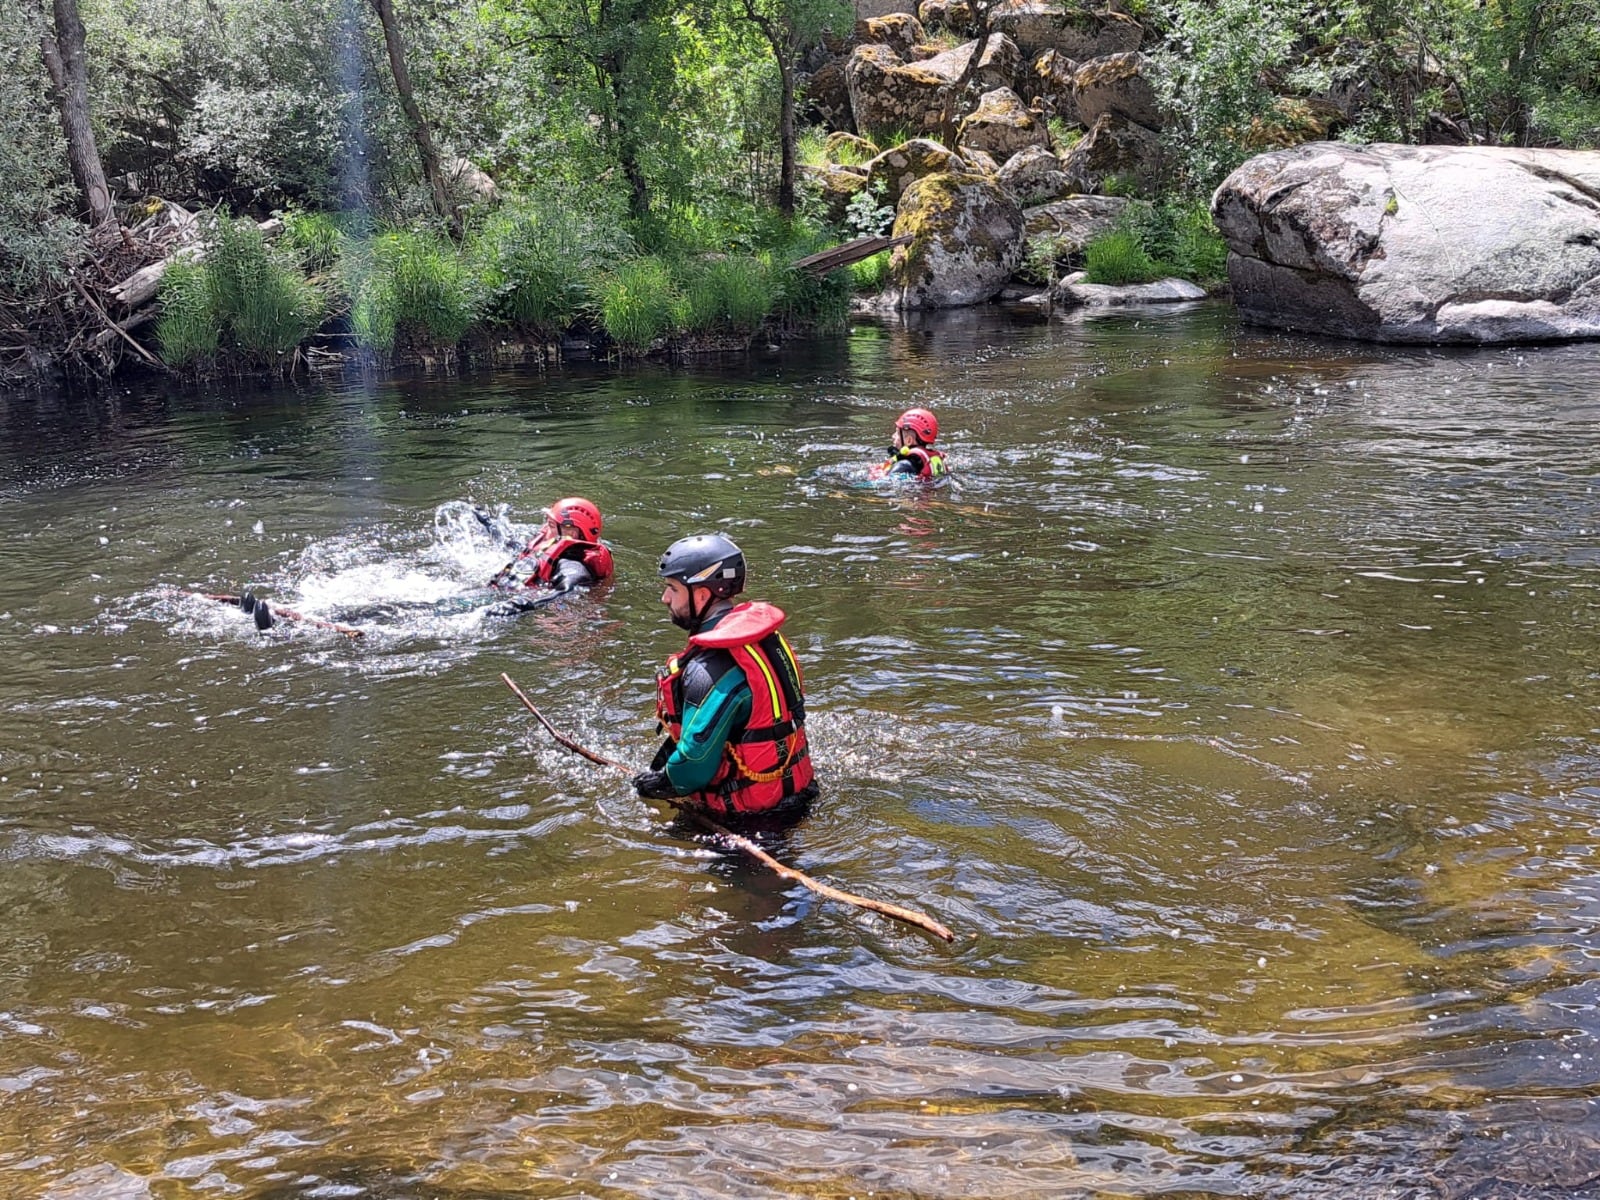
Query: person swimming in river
[
  {"x": 566, "y": 554},
  {"x": 912, "y": 454}
]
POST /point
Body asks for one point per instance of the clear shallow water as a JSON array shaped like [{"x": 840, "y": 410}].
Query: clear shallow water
[{"x": 1238, "y": 710}]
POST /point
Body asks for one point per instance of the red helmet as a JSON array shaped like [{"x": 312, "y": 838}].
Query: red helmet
[
  {"x": 921, "y": 422},
  {"x": 580, "y": 512}
]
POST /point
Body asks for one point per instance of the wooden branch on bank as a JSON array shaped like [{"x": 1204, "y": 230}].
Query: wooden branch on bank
[
  {"x": 823, "y": 261},
  {"x": 738, "y": 842},
  {"x": 120, "y": 332}
]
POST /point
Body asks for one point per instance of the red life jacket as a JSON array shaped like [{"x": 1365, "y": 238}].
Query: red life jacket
[
  {"x": 769, "y": 761},
  {"x": 929, "y": 462},
  {"x": 548, "y": 550}
]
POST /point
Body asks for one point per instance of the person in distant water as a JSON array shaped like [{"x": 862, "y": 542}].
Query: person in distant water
[
  {"x": 566, "y": 554},
  {"x": 731, "y": 703},
  {"x": 912, "y": 453}
]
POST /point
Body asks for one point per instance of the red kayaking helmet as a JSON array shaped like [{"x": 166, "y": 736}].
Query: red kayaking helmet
[
  {"x": 580, "y": 512},
  {"x": 920, "y": 422}
]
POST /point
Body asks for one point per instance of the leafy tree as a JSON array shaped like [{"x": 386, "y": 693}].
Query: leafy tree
[{"x": 789, "y": 28}]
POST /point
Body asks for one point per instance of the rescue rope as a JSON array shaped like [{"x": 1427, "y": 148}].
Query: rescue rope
[{"x": 738, "y": 842}]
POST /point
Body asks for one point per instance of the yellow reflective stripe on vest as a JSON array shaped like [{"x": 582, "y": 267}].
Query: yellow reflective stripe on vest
[{"x": 774, "y": 692}]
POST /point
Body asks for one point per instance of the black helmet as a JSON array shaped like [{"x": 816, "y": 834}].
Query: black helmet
[{"x": 705, "y": 560}]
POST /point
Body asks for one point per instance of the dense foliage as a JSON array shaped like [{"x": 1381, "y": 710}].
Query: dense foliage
[{"x": 642, "y": 148}]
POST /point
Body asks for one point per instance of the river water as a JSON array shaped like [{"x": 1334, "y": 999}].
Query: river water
[{"x": 1238, "y": 710}]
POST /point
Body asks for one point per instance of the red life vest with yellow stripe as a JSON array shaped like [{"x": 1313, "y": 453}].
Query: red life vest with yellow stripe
[
  {"x": 547, "y": 551},
  {"x": 929, "y": 462},
  {"x": 769, "y": 761}
]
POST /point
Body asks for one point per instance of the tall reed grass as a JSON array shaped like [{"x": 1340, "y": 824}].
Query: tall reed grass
[{"x": 640, "y": 303}]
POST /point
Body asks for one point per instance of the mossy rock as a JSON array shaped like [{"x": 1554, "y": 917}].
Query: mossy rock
[
  {"x": 893, "y": 171},
  {"x": 966, "y": 242},
  {"x": 1002, "y": 125}
]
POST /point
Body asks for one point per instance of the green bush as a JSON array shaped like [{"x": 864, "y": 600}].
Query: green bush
[
  {"x": 803, "y": 299},
  {"x": 732, "y": 294},
  {"x": 189, "y": 327},
  {"x": 241, "y": 299},
  {"x": 316, "y": 238},
  {"x": 640, "y": 302}
]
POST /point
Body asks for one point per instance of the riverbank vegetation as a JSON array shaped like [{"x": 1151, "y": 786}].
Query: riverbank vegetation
[{"x": 400, "y": 180}]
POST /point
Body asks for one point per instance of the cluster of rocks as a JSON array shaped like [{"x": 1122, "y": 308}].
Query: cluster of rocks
[{"x": 964, "y": 152}]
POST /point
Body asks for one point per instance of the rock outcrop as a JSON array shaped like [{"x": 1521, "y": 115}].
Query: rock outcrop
[
  {"x": 1040, "y": 25},
  {"x": 1033, "y": 175},
  {"x": 898, "y": 31},
  {"x": 893, "y": 171},
  {"x": 1417, "y": 243},
  {"x": 967, "y": 241},
  {"x": 1072, "y": 223},
  {"x": 1001, "y": 125},
  {"x": 889, "y": 93},
  {"x": 1114, "y": 148},
  {"x": 1118, "y": 85}
]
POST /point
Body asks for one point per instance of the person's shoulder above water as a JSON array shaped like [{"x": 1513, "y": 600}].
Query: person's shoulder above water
[{"x": 912, "y": 453}]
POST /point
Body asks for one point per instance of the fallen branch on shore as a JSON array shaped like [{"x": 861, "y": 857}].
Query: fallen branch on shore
[{"x": 737, "y": 842}]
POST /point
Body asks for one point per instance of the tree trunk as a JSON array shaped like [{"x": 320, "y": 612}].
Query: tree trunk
[
  {"x": 786, "y": 136},
  {"x": 419, "y": 127},
  {"x": 64, "y": 60}
]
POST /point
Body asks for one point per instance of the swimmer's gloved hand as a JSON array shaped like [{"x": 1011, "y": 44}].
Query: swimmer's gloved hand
[{"x": 654, "y": 785}]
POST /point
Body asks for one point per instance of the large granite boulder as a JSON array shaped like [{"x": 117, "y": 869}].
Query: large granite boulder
[
  {"x": 1049, "y": 84},
  {"x": 1114, "y": 148},
  {"x": 889, "y": 93},
  {"x": 1001, "y": 125},
  {"x": 825, "y": 95},
  {"x": 867, "y": 9},
  {"x": 898, "y": 31},
  {"x": 954, "y": 15},
  {"x": 997, "y": 66},
  {"x": 1417, "y": 243},
  {"x": 1033, "y": 175},
  {"x": 1118, "y": 84},
  {"x": 1074, "y": 222},
  {"x": 893, "y": 171},
  {"x": 1039, "y": 25},
  {"x": 967, "y": 241}
]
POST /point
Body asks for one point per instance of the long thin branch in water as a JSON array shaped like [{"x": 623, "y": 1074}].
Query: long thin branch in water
[{"x": 739, "y": 842}]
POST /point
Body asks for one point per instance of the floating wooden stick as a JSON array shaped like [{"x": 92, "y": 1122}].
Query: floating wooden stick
[{"x": 738, "y": 842}]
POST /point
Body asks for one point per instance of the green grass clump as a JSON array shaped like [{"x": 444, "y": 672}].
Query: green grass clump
[
  {"x": 639, "y": 302},
  {"x": 1118, "y": 257},
  {"x": 189, "y": 327},
  {"x": 728, "y": 295},
  {"x": 267, "y": 307},
  {"x": 412, "y": 285},
  {"x": 241, "y": 300},
  {"x": 1174, "y": 236},
  {"x": 316, "y": 238},
  {"x": 537, "y": 261},
  {"x": 870, "y": 274}
]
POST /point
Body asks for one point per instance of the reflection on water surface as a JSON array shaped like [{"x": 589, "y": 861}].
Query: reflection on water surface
[{"x": 1238, "y": 709}]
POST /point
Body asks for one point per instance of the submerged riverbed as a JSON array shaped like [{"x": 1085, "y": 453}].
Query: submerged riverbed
[{"x": 1238, "y": 710}]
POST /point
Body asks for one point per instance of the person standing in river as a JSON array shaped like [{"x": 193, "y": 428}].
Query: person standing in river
[
  {"x": 911, "y": 453},
  {"x": 731, "y": 703}
]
